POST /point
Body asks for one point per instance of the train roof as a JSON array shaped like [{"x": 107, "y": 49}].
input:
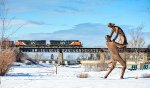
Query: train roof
[
  {"x": 64, "y": 40},
  {"x": 31, "y": 40}
]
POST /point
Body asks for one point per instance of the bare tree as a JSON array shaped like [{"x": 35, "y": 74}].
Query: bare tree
[
  {"x": 5, "y": 23},
  {"x": 137, "y": 41}
]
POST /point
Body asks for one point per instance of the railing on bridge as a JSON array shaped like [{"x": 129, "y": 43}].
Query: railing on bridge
[{"x": 73, "y": 50}]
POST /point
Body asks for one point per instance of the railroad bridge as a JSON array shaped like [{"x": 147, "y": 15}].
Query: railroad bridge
[
  {"x": 78, "y": 50},
  {"x": 81, "y": 50}
]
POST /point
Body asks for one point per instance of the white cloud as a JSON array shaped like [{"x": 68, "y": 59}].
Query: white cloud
[{"x": 18, "y": 22}]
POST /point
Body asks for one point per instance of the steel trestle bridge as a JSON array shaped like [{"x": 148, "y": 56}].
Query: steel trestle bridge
[{"x": 79, "y": 50}]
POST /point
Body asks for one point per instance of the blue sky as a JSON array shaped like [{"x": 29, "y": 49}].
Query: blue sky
[{"x": 47, "y": 17}]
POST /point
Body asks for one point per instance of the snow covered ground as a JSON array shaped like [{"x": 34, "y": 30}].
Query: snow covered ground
[{"x": 67, "y": 77}]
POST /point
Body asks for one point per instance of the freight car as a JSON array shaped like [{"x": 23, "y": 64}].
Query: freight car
[{"x": 7, "y": 43}]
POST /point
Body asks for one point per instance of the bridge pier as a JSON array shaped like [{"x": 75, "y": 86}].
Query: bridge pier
[
  {"x": 101, "y": 55},
  {"x": 60, "y": 57}
]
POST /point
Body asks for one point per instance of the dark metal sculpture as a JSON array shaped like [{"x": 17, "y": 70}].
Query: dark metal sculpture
[
  {"x": 115, "y": 56},
  {"x": 122, "y": 43}
]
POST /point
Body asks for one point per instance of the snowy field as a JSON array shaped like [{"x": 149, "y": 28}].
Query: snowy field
[{"x": 68, "y": 77}]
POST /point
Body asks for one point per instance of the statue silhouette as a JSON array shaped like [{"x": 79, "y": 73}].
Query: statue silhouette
[
  {"x": 122, "y": 43},
  {"x": 115, "y": 57}
]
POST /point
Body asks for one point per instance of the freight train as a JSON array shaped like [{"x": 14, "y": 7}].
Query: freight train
[{"x": 51, "y": 43}]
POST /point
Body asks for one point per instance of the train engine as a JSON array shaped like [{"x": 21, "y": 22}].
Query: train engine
[
  {"x": 65, "y": 43},
  {"x": 31, "y": 43}
]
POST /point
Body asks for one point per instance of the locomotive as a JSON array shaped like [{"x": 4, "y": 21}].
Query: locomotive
[
  {"x": 51, "y": 43},
  {"x": 31, "y": 43}
]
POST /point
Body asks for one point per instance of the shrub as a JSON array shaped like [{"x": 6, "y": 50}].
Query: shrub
[
  {"x": 94, "y": 65},
  {"x": 146, "y": 75},
  {"x": 7, "y": 57},
  {"x": 83, "y": 75}
]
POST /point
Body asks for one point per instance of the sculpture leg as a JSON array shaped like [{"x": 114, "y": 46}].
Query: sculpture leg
[
  {"x": 123, "y": 63},
  {"x": 111, "y": 68}
]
